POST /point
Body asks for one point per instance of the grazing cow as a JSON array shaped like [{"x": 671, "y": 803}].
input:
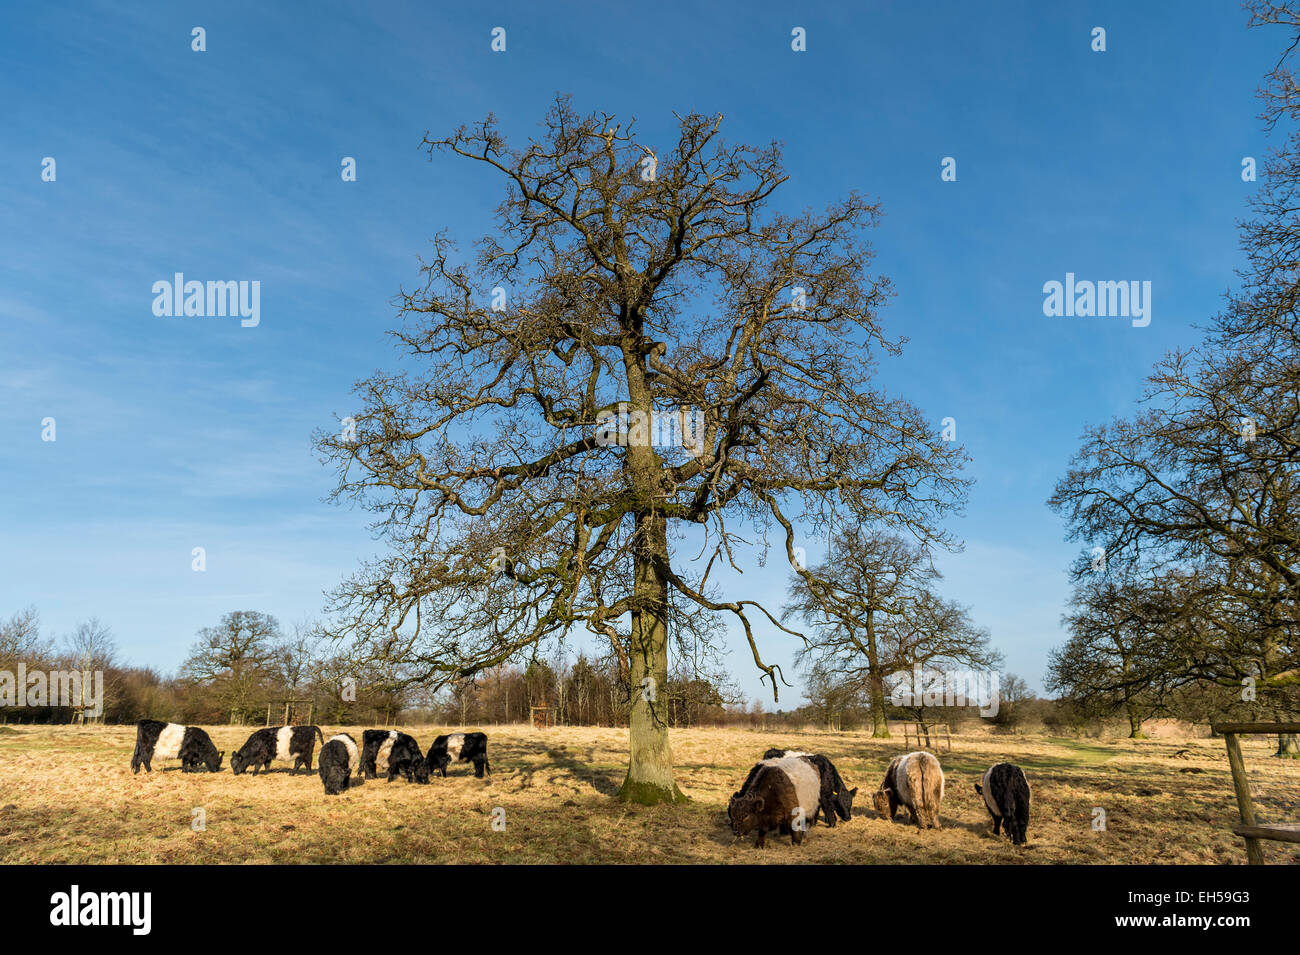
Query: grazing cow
[
  {"x": 155, "y": 739},
  {"x": 836, "y": 798},
  {"x": 915, "y": 781},
  {"x": 277, "y": 742},
  {"x": 392, "y": 754},
  {"x": 461, "y": 748},
  {"x": 770, "y": 757},
  {"x": 1006, "y": 794},
  {"x": 375, "y": 747},
  {"x": 780, "y": 794},
  {"x": 338, "y": 757},
  {"x": 406, "y": 760}
]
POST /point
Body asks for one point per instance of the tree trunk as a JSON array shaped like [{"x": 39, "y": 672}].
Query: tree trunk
[
  {"x": 876, "y": 683},
  {"x": 1135, "y": 723},
  {"x": 650, "y": 766},
  {"x": 1287, "y": 746}
]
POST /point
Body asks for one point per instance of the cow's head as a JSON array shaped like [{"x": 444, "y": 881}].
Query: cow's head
[
  {"x": 844, "y": 802},
  {"x": 335, "y": 778},
  {"x": 743, "y": 812},
  {"x": 421, "y": 769},
  {"x": 979, "y": 789},
  {"x": 213, "y": 759},
  {"x": 880, "y": 800},
  {"x": 238, "y": 762}
]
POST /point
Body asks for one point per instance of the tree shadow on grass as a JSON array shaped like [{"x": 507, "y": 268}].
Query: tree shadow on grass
[
  {"x": 600, "y": 780},
  {"x": 722, "y": 836},
  {"x": 558, "y": 757},
  {"x": 947, "y": 823},
  {"x": 982, "y": 828}
]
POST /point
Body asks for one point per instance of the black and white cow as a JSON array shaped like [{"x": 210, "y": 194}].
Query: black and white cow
[
  {"x": 155, "y": 739},
  {"x": 391, "y": 754},
  {"x": 1006, "y": 795},
  {"x": 338, "y": 757},
  {"x": 277, "y": 742},
  {"x": 836, "y": 798},
  {"x": 375, "y": 747},
  {"x": 407, "y": 760},
  {"x": 780, "y": 794},
  {"x": 460, "y": 748}
]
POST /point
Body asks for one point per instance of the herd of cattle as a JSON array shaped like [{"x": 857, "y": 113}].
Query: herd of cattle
[
  {"x": 789, "y": 789},
  {"x": 786, "y": 792},
  {"x": 383, "y": 752}
]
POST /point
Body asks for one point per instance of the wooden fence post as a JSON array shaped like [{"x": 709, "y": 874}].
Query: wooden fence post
[{"x": 1254, "y": 855}]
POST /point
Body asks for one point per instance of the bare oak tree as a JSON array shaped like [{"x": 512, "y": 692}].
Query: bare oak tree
[
  {"x": 21, "y": 640},
  {"x": 870, "y": 611},
  {"x": 644, "y": 345},
  {"x": 1119, "y": 655},
  {"x": 90, "y": 647},
  {"x": 237, "y": 658}
]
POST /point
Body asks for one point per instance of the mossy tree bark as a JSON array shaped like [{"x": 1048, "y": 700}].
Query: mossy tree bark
[
  {"x": 650, "y": 763},
  {"x": 1135, "y": 723},
  {"x": 876, "y": 681}
]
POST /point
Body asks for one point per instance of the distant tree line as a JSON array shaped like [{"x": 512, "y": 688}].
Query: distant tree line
[
  {"x": 232, "y": 673},
  {"x": 248, "y": 663},
  {"x": 580, "y": 692},
  {"x": 245, "y": 663}
]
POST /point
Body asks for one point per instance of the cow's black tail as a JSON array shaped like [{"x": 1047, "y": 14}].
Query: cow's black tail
[
  {"x": 1014, "y": 803},
  {"x": 319, "y": 735}
]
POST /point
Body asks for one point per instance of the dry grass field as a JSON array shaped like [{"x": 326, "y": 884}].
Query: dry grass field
[{"x": 67, "y": 795}]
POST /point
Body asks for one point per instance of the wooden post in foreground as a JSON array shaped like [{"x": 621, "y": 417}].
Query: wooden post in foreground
[{"x": 1254, "y": 855}]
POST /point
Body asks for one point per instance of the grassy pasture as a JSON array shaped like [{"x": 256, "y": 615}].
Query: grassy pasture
[{"x": 67, "y": 795}]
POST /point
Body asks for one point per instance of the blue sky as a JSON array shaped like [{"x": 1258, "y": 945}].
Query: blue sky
[{"x": 175, "y": 433}]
